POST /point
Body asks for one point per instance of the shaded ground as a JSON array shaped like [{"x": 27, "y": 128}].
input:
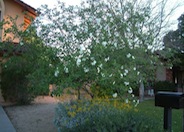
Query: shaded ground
[{"x": 37, "y": 117}]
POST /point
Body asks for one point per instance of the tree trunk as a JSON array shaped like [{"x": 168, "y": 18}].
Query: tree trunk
[
  {"x": 141, "y": 91},
  {"x": 79, "y": 96}
]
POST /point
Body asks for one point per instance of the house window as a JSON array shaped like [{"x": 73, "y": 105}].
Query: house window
[
  {"x": 27, "y": 22},
  {"x": 28, "y": 17}
]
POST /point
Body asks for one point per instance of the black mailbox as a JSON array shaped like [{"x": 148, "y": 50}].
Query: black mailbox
[{"x": 169, "y": 99}]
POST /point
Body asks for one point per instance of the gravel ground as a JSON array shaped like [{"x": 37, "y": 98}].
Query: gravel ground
[{"x": 38, "y": 117}]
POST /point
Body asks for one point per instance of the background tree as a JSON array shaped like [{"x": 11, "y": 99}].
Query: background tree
[{"x": 174, "y": 41}]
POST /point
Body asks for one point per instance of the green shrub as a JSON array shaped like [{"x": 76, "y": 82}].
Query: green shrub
[
  {"x": 97, "y": 117},
  {"x": 27, "y": 75},
  {"x": 164, "y": 86},
  {"x": 28, "y": 66},
  {"x": 14, "y": 82}
]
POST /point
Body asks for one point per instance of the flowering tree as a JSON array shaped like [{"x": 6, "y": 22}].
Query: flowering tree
[{"x": 108, "y": 43}]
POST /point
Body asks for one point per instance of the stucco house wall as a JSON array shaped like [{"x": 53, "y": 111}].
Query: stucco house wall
[
  {"x": 12, "y": 9},
  {"x": 15, "y": 8}
]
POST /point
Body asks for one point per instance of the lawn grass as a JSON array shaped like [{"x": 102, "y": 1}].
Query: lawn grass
[{"x": 148, "y": 107}]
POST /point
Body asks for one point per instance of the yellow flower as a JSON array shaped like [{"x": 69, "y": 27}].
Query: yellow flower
[{"x": 71, "y": 114}]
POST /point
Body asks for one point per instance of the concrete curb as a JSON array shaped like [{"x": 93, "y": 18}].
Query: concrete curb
[{"x": 5, "y": 123}]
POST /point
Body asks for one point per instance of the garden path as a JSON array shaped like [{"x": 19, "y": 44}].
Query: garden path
[{"x": 37, "y": 117}]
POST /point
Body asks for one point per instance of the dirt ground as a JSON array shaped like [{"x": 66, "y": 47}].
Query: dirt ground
[{"x": 37, "y": 117}]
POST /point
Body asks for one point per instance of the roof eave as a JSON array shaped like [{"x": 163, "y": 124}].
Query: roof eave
[{"x": 27, "y": 7}]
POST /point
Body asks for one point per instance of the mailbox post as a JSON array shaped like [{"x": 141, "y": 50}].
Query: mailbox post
[
  {"x": 168, "y": 119},
  {"x": 169, "y": 100}
]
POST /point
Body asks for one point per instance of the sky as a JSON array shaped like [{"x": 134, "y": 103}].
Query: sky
[{"x": 37, "y": 3}]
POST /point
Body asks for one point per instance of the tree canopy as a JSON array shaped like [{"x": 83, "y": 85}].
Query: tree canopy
[{"x": 108, "y": 42}]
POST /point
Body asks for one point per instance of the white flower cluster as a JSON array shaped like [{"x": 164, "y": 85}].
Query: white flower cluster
[
  {"x": 126, "y": 72},
  {"x": 107, "y": 59},
  {"x": 82, "y": 49},
  {"x": 86, "y": 69},
  {"x": 110, "y": 75},
  {"x": 129, "y": 56},
  {"x": 137, "y": 102},
  {"x": 78, "y": 62},
  {"x": 138, "y": 73},
  {"x": 126, "y": 101},
  {"x": 99, "y": 68},
  {"x": 102, "y": 74},
  {"x": 56, "y": 72},
  {"x": 104, "y": 43},
  {"x": 98, "y": 21},
  {"x": 66, "y": 69},
  {"x": 126, "y": 83},
  {"x": 130, "y": 90},
  {"x": 134, "y": 101},
  {"x": 115, "y": 95},
  {"x": 93, "y": 63}
]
